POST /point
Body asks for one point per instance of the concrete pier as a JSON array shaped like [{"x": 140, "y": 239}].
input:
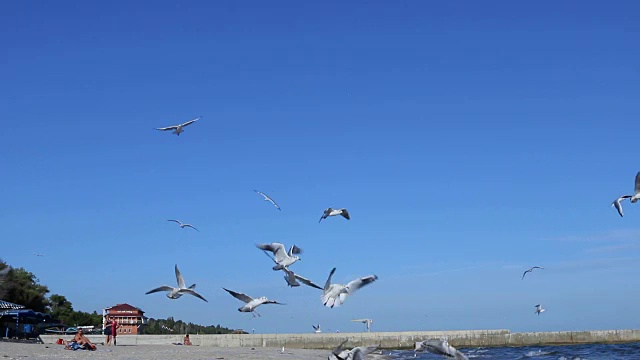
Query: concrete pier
[{"x": 386, "y": 340}]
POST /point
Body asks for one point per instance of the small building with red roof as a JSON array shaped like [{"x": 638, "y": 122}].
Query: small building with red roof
[{"x": 130, "y": 318}]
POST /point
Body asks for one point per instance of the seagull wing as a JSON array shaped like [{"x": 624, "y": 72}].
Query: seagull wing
[
  {"x": 328, "y": 283},
  {"x": 268, "y": 198},
  {"x": 525, "y": 273},
  {"x": 191, "y": 226},
  {"x": 161, "y": 288},
  {"x": 273, "y": 302},
  {"x": 194, "y": 293},
  {"x": 168, "y": 128},
  {"x": 176, "y": 221},
  {"x": 306, "y": 281},
  {"x": 637, "y": 188},
  {"x": 360, "y": 352},
  {"x": 338, "y": 349},
  {"x": 294, "y": 250},
  {"x": 277, "y": 249},
  {"x": 345, "y": 213},
  {"x": 358, "y": 283},
  {"x": 239, "y": 296},
  {"x": 190, "y": 121},
  {"x": 180, "y": 279}
]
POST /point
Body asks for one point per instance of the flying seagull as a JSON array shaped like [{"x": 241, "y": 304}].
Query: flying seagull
[
  {"x": 440, "y": 347},
  {"x": 281, "y": 257},
  {"x": 336, "y": 294},
  {"x": 251, "y": 303},
  {"x": 539, "y": 309},
  {"x": 177, "y": 129},
  {"x": 174, "y": 293},
  {"x": 333, "y": 212},
  {"x": 530, "y": 270},
  {"x": 316, "y": 329},
  {"x": 636, "y": 192},
  {"x": 292, "y": 279},
  {"x": 357, "y": 353},
  {"x": 617, "y": 203},
  {"x": 36, "y": 254},
  {"x": 269, "y": 199},
  {"x": 182, "y": 226},
  {"x": 367, "y": 322}
]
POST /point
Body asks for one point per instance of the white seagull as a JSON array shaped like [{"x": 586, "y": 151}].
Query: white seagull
[
  {"x": 636, "y": 192},
  {"x": 269, "y": 199},
  {"x": 539, "y": 309},
  {"x": 182, "y": 226},
  {"x": 440, "y": 347},
  {"x": 174, "y": 293},
  {"x": 617, "y": 203},
  {"x": 316, "y": 329},
  {"x": 367, "y": 322},
  {"x": 177, "y": 129},
  {"x": 530, "y": 270},
  {"x": 357, "y": 353},
  {"x": 292, "y": 279},
  {"x": 281, "y": 257},
  {"x": 336, "y": 294},
  {"x": 251, "y": 303},
  {"x": 333, "y": 212}
]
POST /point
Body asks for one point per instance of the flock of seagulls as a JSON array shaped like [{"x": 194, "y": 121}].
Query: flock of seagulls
[
  {"x": 282, "y": 258},
  {"x": 617, "y": 203},
  {"x": 332, "y": 294}
]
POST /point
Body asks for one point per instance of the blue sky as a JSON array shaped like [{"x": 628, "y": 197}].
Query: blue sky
[{"x": 469, "y": 142}]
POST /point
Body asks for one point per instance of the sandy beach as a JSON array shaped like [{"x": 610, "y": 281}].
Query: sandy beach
[{"x": 21, "y": 351}]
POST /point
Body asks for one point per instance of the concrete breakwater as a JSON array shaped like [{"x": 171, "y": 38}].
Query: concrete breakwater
[{"x": 386, "y": 340}]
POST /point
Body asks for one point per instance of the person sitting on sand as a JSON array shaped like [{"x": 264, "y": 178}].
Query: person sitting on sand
[
  {"x": 79, "y": 341},
  {"x": 186, "y": 340}
]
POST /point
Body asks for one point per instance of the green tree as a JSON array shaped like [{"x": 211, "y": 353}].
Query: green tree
[{"x": 22, "y": 287}]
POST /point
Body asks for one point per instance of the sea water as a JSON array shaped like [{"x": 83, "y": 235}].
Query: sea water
[{"x": 628, "y": 351}]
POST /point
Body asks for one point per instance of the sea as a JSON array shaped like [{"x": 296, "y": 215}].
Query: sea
[{"x": 627, "y": 351}]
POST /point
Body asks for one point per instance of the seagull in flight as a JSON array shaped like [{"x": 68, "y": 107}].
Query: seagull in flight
[
  {"x": 281, "y": 257},
  {"x": 539, "y": 309},
  {"x": 182, "y": 226},
  {"x": 440, "y": 347},
  {"x": 617, "y": 203},
  {"x": 636, "y": 192},
  {"x": 336, "y": 294},
  {"x": 36, "y": 254},
  {"x": 174, "y": 293},
  {"x": 268, "y": 198},
  {"x": 316, "y": 329},
  {"x": 333, "y": 212},
  {"x": 530, "y": 270},
  {"x": 251, "y": 303},
  {"x": 357, "y": 353},
  {"x": 292, "y": 279},
  {"x": 177, "y": 129}
]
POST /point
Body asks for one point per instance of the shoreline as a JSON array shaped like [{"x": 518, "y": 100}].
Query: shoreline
[{"x": 385, "y": 340}]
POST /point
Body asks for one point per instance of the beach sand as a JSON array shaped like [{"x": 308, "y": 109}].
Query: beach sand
[{"x": 22, "y": 351}]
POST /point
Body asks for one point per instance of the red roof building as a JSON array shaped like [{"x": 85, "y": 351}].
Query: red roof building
[{"x": 130, "y": 318}]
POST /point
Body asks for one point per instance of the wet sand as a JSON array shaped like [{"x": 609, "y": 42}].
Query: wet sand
[{"x": 22, "y": 351}]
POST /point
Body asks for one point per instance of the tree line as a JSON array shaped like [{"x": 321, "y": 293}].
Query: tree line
[{"x": 21, "y": 287}]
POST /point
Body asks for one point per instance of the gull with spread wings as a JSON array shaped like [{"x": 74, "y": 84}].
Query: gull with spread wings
[
  {"x": 182, "y": 226},
  {"x": 530, "y": 270},
  {"x": 334, "y": 212},
  {"x": 177, "y": 129},
  {"x": 250, "y": 303},
  {"x": 281, "y": 257},
  {"x": 336, "y": 294},
  {"x": 269, "y": 199},
  {"x": 440, "y": 347},
  {"x": 174, "y": 293}
]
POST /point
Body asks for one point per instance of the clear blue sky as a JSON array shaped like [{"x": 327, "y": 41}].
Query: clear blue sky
[{"x": 469, "y": 141}]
